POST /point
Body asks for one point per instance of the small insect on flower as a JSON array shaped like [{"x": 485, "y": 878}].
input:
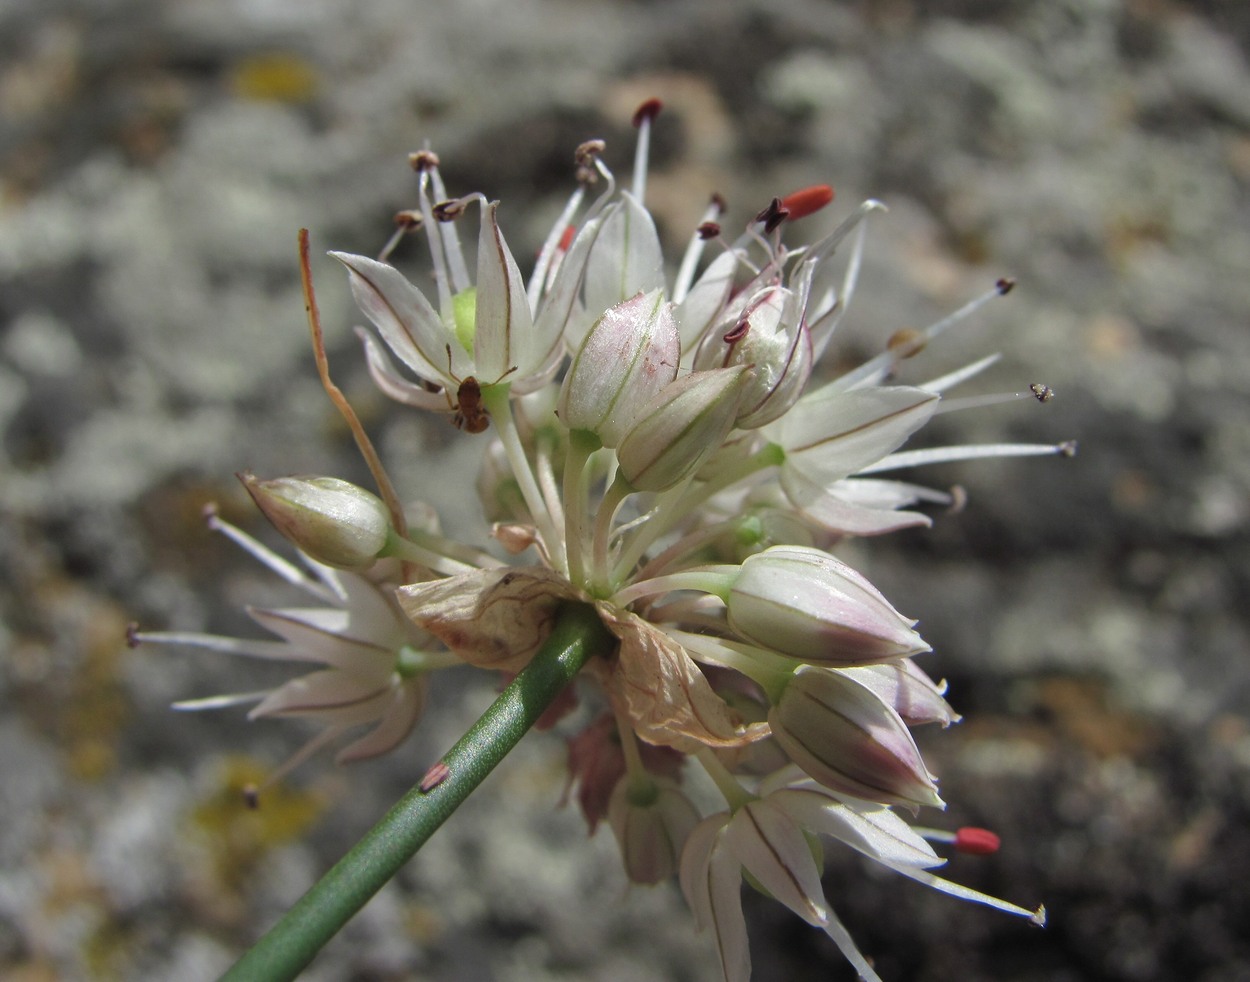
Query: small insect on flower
[{"x": 468, "y": 413}]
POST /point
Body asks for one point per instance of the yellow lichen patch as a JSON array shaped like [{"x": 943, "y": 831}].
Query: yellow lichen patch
[
  {"x": 238, "y": 836},
  {"x": 274, "y": 76}
]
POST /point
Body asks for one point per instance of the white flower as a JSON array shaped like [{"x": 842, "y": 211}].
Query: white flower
[{"x": 374, "y": 662}]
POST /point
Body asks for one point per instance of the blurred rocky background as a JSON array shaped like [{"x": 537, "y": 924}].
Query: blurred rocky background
[{"x": 156, "y": 160}]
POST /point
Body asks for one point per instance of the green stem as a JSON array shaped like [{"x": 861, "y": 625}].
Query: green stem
[{"x": 295, "y": 940}]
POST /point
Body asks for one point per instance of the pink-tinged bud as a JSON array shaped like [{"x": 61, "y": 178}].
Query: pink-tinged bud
[
  {"x": 629, "y": 355},
  {"x": 804, "y": 603},
  {"x": 332, "y": 521},
  {"x": 680, "y": 427},
  {"x": 842, "y": 735},
  {"x": 651, "y": 827},
  {"x": 908, "y": 691}
]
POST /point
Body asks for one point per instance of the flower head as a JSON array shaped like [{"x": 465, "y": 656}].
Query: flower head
[{"x": 687, "y": 481}]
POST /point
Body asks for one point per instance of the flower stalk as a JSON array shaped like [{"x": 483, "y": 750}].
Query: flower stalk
[{"x": 291, "y": 944}]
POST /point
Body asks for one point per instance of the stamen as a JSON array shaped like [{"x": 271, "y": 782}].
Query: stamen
[
  {"x": 990, "y": 399},
  {"x": 948, "y": 381},
  {"x": 449, "y": 211},
  {"x": 976, "y": 841},
  {"x": 807, "y": 201},
  {"x": 642, "y": 120},
  {"x": 423, "y": 160},
  {"x": 772, "y": 216},
  {"x": 554, "y": 248},
  {"x": 460, "y": 278},
  {"x": 1042, "y": 392},
  {"x": 944, "y": 455},
  {"x": 707, "y": 229},
  {"x": 266, "y": 556},
  {"x": 876, "y": 369},
  {"x": 586, "y": 157},
  {"x": 405, "y": 222}
]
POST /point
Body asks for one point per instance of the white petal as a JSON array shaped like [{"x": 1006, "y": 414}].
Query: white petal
[
  {"x": 331, "y": 690},
  {"x": 823, "y": 507},
  {"x": 772, "y": 847},
  {"x": 407, "y": 702},
  {"x": 395, "y": 385},
  {"x": 504, "y": 327},
  {"x": 874, "y": 830},
  {"x": 320, "y": 634},
  {"x": 711, "y": 879},
  {"x": 837, "y": 434},
  {"x": 625, "y": 258},
  {"x": 407, "y": 322}
]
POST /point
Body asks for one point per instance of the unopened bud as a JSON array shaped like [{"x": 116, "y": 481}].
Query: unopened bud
[
  {"x": 650, "y": 826},
  {"x": 842, "y": 735},
  {"x": 629, "y": 355},
  {"x": 680, "y": 427},
  {"x": 804, "y": 603},
  {"x": 335, "y": 522}
]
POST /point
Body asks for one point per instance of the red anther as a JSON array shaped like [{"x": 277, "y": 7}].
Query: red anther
[
  {"x": 737, "y": 332},
  {"x": 805, "y": 201},
  {"x": 718, "y": 201},
  {"x": 566, "y": 238},
  {"x": 435, "y": 776},
  {"x": 708, "y": 230},
  {"x": 648, "y": 110},
  {"x": 976, "y": 842},
  {"x": 1004, "y": 285}
]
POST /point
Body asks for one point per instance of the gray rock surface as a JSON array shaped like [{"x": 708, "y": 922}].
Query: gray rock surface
[{"x": 156, "y": 158}]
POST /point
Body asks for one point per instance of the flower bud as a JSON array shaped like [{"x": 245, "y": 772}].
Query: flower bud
[
  {"x": 804, "y": 603},
  {"x": 332, "y": 521},
  {"x": 842, "y": 735},
  {"x": 629, "y": 355},
  {"x": 680, "y": 427},
  {"x": 907, "y": 690},
  {"x": 651, "y": 827},
  {"x": 769, "y": 334}
]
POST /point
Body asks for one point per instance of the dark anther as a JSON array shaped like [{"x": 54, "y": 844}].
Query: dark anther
[
  {"x": 773, "y": 215},
  {"x": 648, "y": 110},
  {"x": 251, "y": 796},
  {"x": 718, "y": 200},
  {"x": 1067, "y": 448},
  {"x": 423, "y": 160},
  {"x": 408, "y": 219},
  {"x": 708, "y": 230},
  {"x": 132, "y": 635},
  {"x": 448, "y": 211},
  {"x": 1004, "y": 285},
  {"x": 1042, "y": 392},
  {"x": 586, "y": 153},
  {"x": 737, "y": 332}
]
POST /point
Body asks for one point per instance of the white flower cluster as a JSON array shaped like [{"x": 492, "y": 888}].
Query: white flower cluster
[{"x": 661, "y": 452}]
